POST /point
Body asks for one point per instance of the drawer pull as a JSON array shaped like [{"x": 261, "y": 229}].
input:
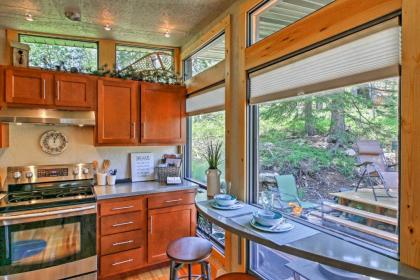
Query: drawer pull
[
  {"x": 122, "y": 208},
  {"x": 122, "y": 262},
  {"x": 122, "y": 243},
  {"x": 123, "y": 224},
  {"x": 173, "y": 200}
]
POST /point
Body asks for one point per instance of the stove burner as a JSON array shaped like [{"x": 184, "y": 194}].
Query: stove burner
[{"x": 64, "y": 190}]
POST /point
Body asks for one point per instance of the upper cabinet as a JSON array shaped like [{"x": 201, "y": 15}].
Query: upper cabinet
[
  {"x": 28, "y": 87},
  {"x": 117, "y": 116},
  {"x": 4, "y": 135},
  {"x": 32, "y": 87},
  {"x": 162, "y": 114},
  {"x": 74, "y": 90}
]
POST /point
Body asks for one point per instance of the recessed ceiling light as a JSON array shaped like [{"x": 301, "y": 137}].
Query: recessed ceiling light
[
  {"x": 29, "y": 17},
  {"x": 107, "y": 27},
  {"x": 167, "y": 35}
]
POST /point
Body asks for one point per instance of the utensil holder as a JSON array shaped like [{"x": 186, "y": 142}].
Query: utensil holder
[
  {"x": 110, "y": 179},
  {"x": 101, "y": 179}
]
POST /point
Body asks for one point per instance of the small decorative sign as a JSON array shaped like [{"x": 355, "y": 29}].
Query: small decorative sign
[{"x": 142, "y": 167}]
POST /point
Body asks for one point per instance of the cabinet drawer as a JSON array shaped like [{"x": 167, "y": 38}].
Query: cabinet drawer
[
  {"x": 171, "y": 199},
  {"x": 121, "y": 242},
  {"x": 121, "y": 262},
  {"x": 118, "y": 206},
  {"x": 121, "y": 223}
]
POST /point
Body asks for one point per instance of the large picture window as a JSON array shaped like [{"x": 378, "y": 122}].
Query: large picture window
[
  {"x": 51, "y": 53},
  {"x": 127, "y": 55},
  {"x": 206, "y": 57},
  {"x": 326, "y": 128}
]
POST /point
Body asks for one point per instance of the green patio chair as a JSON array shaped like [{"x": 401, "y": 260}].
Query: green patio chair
[{"x": 288, "y": 192}]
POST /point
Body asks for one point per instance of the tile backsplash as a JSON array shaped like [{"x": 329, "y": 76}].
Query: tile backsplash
[{"x": 25, "y": 149}]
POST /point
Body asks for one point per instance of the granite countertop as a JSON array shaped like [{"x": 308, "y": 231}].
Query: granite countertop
[
  {"x": 139, "y": 188},
  {"x": 318, "y": 246}
]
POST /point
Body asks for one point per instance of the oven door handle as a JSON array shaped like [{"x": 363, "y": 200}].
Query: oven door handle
[{"x": 29, "y": 217}]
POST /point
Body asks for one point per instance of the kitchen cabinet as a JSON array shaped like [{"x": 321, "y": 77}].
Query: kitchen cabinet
[
  {"x": 163, "y": 116},
  {"x": 28, "y": 87},
  {"x": 73, "y": 90},
  {"x": 25, "y": 87},
  {"x": 117, "y": 115},
  {"x": 4, "y": 135},
  {"x": 134, "y": 232}
]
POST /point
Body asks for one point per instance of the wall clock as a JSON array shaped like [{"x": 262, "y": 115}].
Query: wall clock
[{"x": 53, "y": 142}]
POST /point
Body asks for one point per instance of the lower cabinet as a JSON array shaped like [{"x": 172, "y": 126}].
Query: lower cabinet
[{"x": 134, "y": 232}]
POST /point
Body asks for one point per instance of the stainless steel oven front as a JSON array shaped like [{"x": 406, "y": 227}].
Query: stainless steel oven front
[{"x": 52, "y": 243}]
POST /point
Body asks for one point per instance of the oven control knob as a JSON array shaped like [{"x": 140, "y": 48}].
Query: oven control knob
[
  {"x": 76, "y": 171},
  {"x": 29, "y": 174},
  {"x": 17, "y": 175},
  {"x": 85, "y": 171}
]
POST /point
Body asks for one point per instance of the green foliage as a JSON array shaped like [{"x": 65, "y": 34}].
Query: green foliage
[{"x": 213, "y": 154}]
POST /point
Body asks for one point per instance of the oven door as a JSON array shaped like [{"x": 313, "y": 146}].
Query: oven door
[{"x": 59, "y": 241}]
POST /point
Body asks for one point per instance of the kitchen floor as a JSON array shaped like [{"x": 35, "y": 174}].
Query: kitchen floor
[{"x": 163, "y": 273}]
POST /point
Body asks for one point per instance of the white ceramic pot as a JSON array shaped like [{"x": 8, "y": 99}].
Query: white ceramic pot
[
  {"x": 110, "y": 179},
  {"x": 213, "y": 181},
  {"x": 101, "y": 179}
]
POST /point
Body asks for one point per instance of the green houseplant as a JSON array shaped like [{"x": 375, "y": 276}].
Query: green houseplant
[{"x": 213, "y": 156}]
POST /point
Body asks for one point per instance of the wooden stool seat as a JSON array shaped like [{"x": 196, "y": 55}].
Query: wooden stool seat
[
  {"x": 236, "y": 276},
  {"x": 189, "y": 250}
]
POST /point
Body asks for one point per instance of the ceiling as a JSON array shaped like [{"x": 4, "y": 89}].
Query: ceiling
[{"x": 144, "y": 21}]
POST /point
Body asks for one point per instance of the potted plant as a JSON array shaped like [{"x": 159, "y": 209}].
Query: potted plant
[{"x": 213, "y": 157}]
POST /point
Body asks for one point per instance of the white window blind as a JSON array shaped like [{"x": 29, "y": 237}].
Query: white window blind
[
  {"x": 372, "y": 57},
  {"x": 210, "y": 100}
]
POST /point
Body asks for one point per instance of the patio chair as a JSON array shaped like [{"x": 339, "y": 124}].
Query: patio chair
[
  {"x": 373, "y": 167},
  {"x": 288, "y": 192}
]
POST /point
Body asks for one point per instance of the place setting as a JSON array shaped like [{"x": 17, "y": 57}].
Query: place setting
[{"x": 226, "y": 202}]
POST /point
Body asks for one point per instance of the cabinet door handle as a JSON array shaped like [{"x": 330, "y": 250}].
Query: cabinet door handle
[
  {"x": 58, "y": 90},
  {"x": 44, "y": 94},
  {"x": 123, "y": 224},
  {"x": 173, "y": 200},
  {"x": 133, "y": 130},
  {"x": 122, "y": 262},
  {"x": 122, "y": 243},
  {"x": 122, "y": 208},
  {"x": 151, "y": 225}
]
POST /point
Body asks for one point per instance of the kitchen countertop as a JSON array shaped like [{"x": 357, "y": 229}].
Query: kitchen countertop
[
  {"x": 319, "y": 246},
  {"x": 139, "y": 188}
]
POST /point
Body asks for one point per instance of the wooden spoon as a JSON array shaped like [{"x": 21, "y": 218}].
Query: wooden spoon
[{"x": 105, "y": 165}]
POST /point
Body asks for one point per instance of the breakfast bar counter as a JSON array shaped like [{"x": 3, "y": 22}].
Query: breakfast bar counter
[
  {"x": 139, "y": 188},
  {"x": 308, "y": 243}
]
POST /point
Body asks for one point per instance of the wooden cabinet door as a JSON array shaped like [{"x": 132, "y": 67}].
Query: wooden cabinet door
[
  {"x": 117, "y": 111},
  {"x": 73, "y": 90},
  {"x": 162, "y": 114},
  {"x": 25, "y": 86},
  {"x": 4, "y": 135},
  {"x": 167, "y": 225}
]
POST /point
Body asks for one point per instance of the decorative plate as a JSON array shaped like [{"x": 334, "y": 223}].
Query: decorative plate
[
  {"x": 237, "y": 205},
  {"x": 281, "y": 227},
  {"x": 53, "y": 142}
]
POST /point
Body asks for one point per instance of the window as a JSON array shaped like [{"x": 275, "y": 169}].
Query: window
[
  {"x": 327, "y": 128},
  {"x": 206, "y": 57},
  {"x": 50, "y": 53},
  {"x": 210, "y": 231},
  {"x": 126, "y": 55},
  {"x": 274, "y": 15}
]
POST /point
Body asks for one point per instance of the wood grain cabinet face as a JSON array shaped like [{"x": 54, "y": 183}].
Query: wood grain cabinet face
[
  {"x": 4, "y": 135},
  {"x": 74, "y": 91},
  {"x": 24, "y": 86},
  {"x": 166, "y": 225},
  {"x": 162, "y": 114},
  {"x": 117, "y": 112}
]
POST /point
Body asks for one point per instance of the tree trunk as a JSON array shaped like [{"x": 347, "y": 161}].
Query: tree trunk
[
  {"x": 338, "y": 123},
  {"x": 310, "y": 129}
]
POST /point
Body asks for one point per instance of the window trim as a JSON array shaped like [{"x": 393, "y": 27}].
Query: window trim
[
  {"x": 96, "y": 42},
  {"x": 186, "y": 59}
]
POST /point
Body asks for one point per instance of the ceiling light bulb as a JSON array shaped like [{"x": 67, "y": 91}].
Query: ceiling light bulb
[
  {"x": 167, "y": 35},
  {"x": 107, "y": 27},
  {"x": 29, "y": 17}
]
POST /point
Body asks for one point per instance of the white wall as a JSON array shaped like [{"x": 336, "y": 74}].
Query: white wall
[
  {"x": 25, "y": 149},
  {"x": 2, "y": 45}
]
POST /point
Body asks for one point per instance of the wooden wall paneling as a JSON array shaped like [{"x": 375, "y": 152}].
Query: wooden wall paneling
[
  {"x": 11, "y": 35},
  {"x": 4, "y": 135},
  {"x": 207, "y": 78},
  {"x": 106, "y": 53},
  {"x": 410, "y": 135},
  {"x": 177, "y": 61},
  {"x": 327, "y": 22}
]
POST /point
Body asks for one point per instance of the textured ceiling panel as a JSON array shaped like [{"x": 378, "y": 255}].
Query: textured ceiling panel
[{"x": 142, "y": 21}]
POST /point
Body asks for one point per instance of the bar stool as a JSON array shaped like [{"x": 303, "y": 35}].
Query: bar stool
[
  {"x": 236, "y": 276},
  {"x": 189, "y": 250}
]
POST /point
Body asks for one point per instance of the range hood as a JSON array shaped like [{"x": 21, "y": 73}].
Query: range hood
[{"x": 47, "y": 116}]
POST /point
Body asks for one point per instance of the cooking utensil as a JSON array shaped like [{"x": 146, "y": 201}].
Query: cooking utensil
[{"x": 105, "y": 165}]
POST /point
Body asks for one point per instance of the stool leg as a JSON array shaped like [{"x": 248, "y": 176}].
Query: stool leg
[
  {"x": 174, "y": 270},
  {"x": 203, "y": 271},
  {"x": 189, "y": 272},
  {"x": 208, "y": 271}
]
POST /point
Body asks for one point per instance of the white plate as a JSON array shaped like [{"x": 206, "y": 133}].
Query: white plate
[
  {"x": 282, "y": 227},
  {"x": 235, "y": 206}
]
